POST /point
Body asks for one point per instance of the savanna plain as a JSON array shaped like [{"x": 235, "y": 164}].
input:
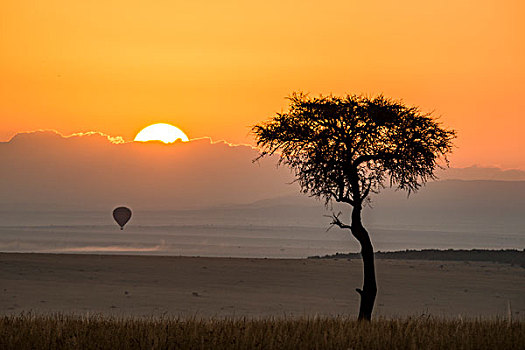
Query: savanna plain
[{"x": 107, "y": 301}]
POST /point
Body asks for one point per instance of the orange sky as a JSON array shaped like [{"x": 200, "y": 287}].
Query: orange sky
[{"x": 215, "y": 68}]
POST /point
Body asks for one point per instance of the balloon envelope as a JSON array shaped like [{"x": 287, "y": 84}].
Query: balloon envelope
[{"x": 122, "y": 216}]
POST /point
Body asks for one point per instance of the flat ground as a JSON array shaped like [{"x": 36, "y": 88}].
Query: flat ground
[{"x": 195, "y": 286}]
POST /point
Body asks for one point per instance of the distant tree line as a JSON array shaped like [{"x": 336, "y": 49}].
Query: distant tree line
[{"x": 504, "y": 256}]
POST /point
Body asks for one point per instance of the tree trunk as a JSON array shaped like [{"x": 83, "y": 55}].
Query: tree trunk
[{"x": 369, "y": 291}]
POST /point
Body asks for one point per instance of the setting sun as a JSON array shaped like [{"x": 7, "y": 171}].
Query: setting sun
[{"x": 161, "y": 132}]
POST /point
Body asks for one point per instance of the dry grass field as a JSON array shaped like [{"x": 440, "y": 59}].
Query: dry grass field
[
  {"x": 144, "y": 286},
  {"x": 97, "y": 332}
]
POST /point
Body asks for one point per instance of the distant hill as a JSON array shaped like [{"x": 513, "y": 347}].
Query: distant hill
[
  {"x": 481, "y": 173},
  {"x": 464, "y": 205},
  {"x": 454, "y": 205}
]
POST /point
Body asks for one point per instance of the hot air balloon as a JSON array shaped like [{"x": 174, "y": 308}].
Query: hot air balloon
[{"x": 122, "y": 216}]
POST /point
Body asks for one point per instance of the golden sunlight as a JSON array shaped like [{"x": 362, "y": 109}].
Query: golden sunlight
[{"x": 161, "y": 132}]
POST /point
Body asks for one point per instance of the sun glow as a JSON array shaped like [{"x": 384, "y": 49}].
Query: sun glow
[{"x": 161, "y": 132}]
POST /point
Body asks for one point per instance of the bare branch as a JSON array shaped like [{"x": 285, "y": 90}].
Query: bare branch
[
  {"x": 345, "y": 200},
  {"x": 337, "y": 222}
]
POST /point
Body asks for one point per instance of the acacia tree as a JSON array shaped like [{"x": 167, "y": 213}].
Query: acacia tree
[{"x": 343, "y": 149}]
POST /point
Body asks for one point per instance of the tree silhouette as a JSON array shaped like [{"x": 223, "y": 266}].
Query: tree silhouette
[{"x": 345, "y": 148}]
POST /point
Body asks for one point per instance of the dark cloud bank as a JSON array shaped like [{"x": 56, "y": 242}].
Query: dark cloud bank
[{"x": 46, "y": 170}]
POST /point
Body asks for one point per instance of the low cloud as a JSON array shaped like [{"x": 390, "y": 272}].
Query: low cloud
[
  {"x": 93, "y": 171},
  {"x": 44, "y": 170}
]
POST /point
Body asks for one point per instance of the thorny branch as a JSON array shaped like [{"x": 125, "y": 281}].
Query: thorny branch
[{"x": 337, "y": 222}]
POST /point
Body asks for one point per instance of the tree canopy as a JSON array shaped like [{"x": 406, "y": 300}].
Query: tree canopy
[{"x": 343, "y": 148}]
